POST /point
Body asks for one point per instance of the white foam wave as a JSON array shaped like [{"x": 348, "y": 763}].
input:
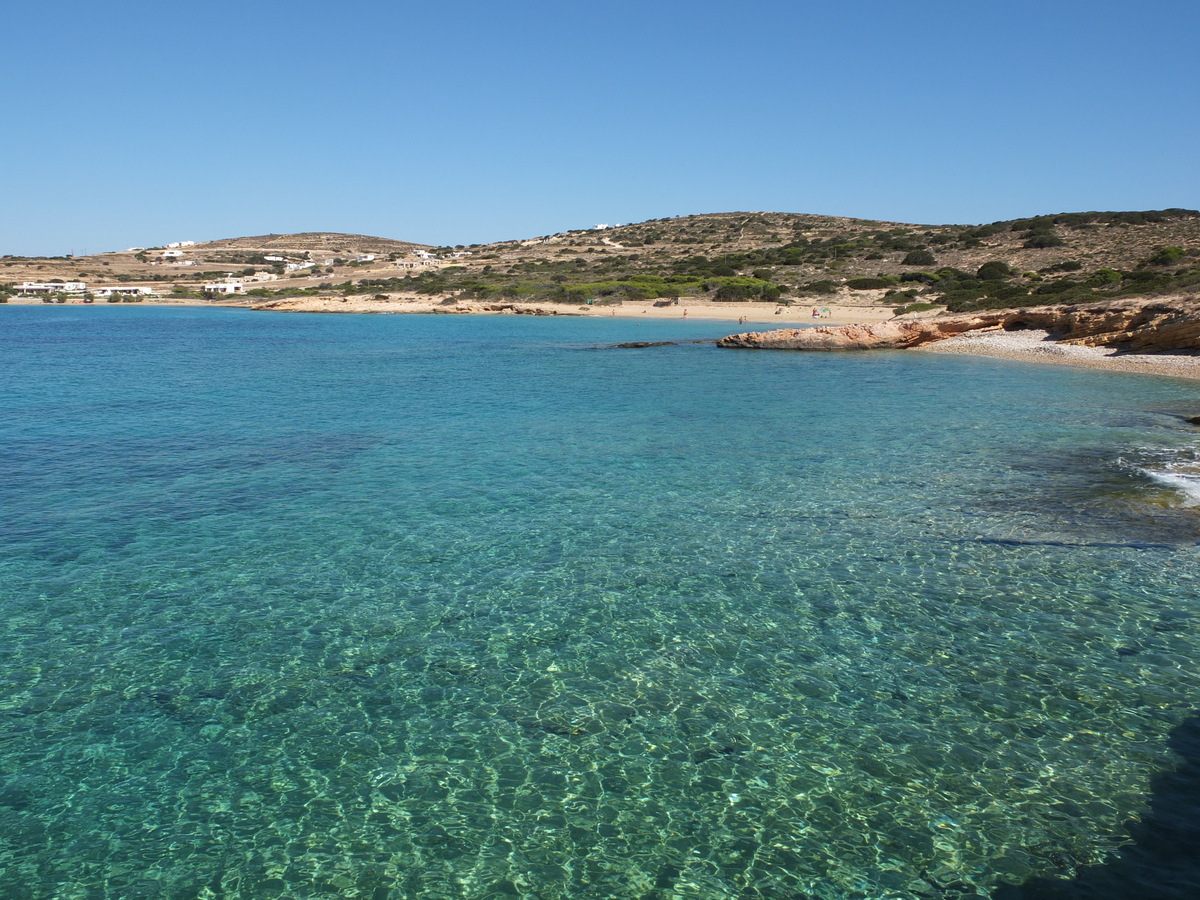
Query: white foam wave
[{"x": 1177, "y": 468}]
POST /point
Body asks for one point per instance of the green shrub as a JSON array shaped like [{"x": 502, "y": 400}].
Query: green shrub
[
  {"x": 734, "y": 289},
  {"x": 1054, "y": 287},
  {"x": 1071, "y": 265},
  {"x": 1103, "y": 276},
  {"x": 915, "y": 307},
  {"x": 994, "y": 271},
  {"x": 958, "y": 301},
  {"x": 949, "y": 273},
  {"x": 819, "y": 287},
  {"x": 1166, "y": 256},
  {"x": 920, "y": 258},
  {"x": 1041, "y": 238},
  {"x": 983, "y": 231},
  {"x": 870, "y": 284}
]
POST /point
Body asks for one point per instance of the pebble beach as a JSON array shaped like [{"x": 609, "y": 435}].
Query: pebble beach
[{"x": 1037, "y": 346}]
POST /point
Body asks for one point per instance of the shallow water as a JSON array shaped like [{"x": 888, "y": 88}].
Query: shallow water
[{"x": 391, "y": 607}]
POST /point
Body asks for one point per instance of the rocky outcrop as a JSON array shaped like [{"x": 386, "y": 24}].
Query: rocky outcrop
[
  {"x": 880, "y": 336},
  {"x": 1144, "y": 325}
]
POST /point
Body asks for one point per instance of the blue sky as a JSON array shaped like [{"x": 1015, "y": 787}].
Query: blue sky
[{"x": 137, "y": 123}]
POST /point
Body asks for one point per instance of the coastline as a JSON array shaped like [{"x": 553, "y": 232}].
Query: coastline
[
  {"x": 773, "y": 314},
  {"x": 763, "y": 313},
  {"x": 1037, "y": 347},
  {"x": 1021, "y": 346}
]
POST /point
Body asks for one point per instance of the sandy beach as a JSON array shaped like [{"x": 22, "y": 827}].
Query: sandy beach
[
  {"x": 1036, "y": 346},
  {"x": 760, "y": 313}
]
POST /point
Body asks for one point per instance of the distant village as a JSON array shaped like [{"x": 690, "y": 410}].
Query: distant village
[{"x": 174, "y": 255}]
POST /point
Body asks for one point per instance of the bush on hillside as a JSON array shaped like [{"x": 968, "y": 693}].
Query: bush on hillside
[
  {"x": 735, "y": 289},
  {"x": 1042, "y": 237},
  {"x": 920, "y": 258},
  {"x": 1166, "y": 256},
  {"x": 914, "y": 307},
  {"x": 1102, "y": 277},
  {"x": 983, "y": 231},
  {"x": 870, "y": 284},
  {"x": 1070, "y": 265},
  {"x": 995, "y": 270}
]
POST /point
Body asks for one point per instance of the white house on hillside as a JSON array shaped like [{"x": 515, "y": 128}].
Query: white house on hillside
[
  {"x": 224, "y": 287},
  {"x": 125, "y": 290},
  {"x": 51, "y": 287}
]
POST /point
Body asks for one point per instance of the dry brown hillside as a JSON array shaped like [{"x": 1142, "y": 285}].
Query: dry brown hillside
[
  {"x": 312, "y": 241},
  {"x": 738, "y": 256}
]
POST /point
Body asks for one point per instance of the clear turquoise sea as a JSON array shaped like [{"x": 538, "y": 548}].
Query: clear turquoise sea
[{"x": 392, "y": 607}]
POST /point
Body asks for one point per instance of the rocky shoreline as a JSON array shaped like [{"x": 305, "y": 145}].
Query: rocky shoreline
[{"x": 1158, "y": 336}]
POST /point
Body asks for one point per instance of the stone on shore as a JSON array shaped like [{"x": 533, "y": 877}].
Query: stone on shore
[{"x": 1143, "y": 325}]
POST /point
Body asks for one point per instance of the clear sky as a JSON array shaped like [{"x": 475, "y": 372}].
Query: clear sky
[{"x": 138, "y": 123}]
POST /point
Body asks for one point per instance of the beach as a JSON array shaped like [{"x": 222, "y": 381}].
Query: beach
[
  {"x": 774, "y": 313},
  {"x": 1036, "y": 346}
]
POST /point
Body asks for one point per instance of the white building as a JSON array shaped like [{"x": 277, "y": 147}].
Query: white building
[
  {"x": 175, "y": 245},
  {"x": 51, "y": 287},
  {"x": 292, "y": 267},
  {"x": 224, "y": 287},
  {"x": 365, "y": 257},
  {"x": 275, "y": 258},
  {"x": 172, "y": 254},
  {"x": 125, "y": 290}
]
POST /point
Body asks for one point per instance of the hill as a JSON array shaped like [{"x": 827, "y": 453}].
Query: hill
[
  {"x": 312, "y": 242},
  {"x": 773, "y": 256},
  {"x": 749, "y": 256}
]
